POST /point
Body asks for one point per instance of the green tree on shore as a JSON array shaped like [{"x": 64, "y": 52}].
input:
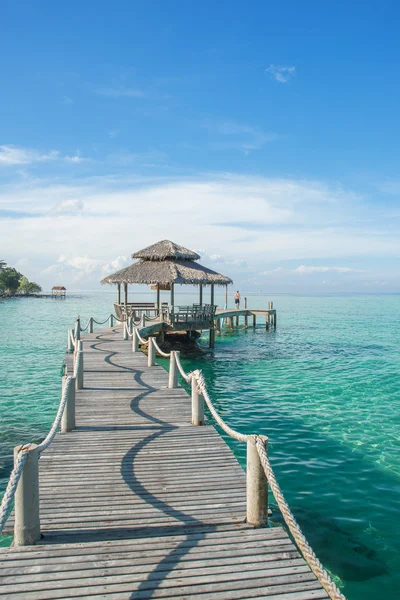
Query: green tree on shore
[
  {"x": 28, "y": 287},
  {"x": 2, "y": 265},
  {"x": 9, "y": 280}
]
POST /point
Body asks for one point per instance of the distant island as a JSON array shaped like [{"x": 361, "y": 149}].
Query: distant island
[{"x": 15, "y": 284}]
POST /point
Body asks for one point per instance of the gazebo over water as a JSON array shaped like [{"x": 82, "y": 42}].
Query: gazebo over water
[{"x": 163, "y": 266}]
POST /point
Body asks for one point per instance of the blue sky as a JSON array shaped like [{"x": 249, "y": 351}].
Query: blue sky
[{"x": 264, "y": 135}]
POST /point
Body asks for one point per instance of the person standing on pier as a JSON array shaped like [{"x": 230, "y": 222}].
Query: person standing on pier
[{"x": 236, "y": 296}]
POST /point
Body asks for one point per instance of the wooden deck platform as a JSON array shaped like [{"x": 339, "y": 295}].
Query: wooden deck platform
[{"x": 138, "y": 503}]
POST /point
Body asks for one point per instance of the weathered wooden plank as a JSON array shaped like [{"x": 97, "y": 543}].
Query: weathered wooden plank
[{"x": 137, "y": 502}]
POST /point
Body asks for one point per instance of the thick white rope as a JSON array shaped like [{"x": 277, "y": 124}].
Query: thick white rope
[
  {"x": 186, "y": 377},
  {"x": 87, "y": 325},
  {"x": 56, "y": 424},
  {"x": 141, "y": 340},
  {"x": 126, "y": 327},
  {"x": 6, "y": 503},
  {"x": 306, "y": 550},
  {"x": 201, "y": 384},
  {"x": 72, "y": 337},
  {"x": 102, "y": 322},
  {"x": 158, "y": 349}
]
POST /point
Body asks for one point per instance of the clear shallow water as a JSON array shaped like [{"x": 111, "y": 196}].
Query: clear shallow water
[{"x": 325, "y": 388}]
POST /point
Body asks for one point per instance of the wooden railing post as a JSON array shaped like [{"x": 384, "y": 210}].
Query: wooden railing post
[
  {"x": 68, "y": 418},
  {"x": 143, "y": 320},
  {"x": 151, "y": 357},
  {"x": 79, "y": 367},
  {"x": 197, "y": 404},
  {"x": 111, "y": 321},
  {"x": 135, "y": 341},
  {"x": 70, "y": 346},
  {"x": 173, "y": 370},
  {"x": 91, "y": 325},
  {"x": 78, "y": 329},
  {"x": 256, "y": 485},
  {"x": 125, "y": 330},
  {"x": 26, "y": 500}
]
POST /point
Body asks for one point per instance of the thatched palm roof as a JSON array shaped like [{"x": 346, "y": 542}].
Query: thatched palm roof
[
  {"x": 164, "y": 250},
  {"x": 166, "y": 272}
]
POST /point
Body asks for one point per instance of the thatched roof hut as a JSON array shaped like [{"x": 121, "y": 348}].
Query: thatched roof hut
[
  {"x": 166, "y": 249},
  {"x": 165, "y": 264}
]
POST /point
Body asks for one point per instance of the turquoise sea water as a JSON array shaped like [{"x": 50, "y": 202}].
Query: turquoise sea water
[{"x": 325, "y": 388}]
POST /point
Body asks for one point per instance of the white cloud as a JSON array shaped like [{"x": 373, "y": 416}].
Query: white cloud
[
  {"x": 67, "y": 207},
  {"x": 241, "y": 136},
  {"x": 242, "y": 224},
  {"x": 13, "y": 155},
  {"x": 120, "y": 92},
  {"x": 280, "y": 73},
  {"x": 306, "y": 270}
]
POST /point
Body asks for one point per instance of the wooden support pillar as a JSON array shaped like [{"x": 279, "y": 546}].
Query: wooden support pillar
[
  {"x": 162, "y": 337},
  {"x": 226, "y": 296},
  {"x": 201, "y": 295},
  {"x": 267, "y": 321},
  {"x": 158, "y": 299},
  {"x": 256, "y": 485},
  {"x": 275, "y": 321},
  {"x": 173, "y": 370},
  {"x": 254, "y": 320},
  {"x": 212, "y": 330},
  {"x": 26, "y": 500},
  {"x": 119, "y": 293},
  {"x": 218, "y": 324},
  {"x": 172, "y": 295},
  {"x": 68, "y": 417},
  {"x": 135, "y": 341},
  {"x": 237, "y": 320},
  {"x": 197, "y": 404},
  {"x": 126, "y": 294},
  {"x": 151, "y": 356},
  {"x": 78, "y": 373},
  {"x": 212, "y": 336},
  {"x": 246, "y": 319}
]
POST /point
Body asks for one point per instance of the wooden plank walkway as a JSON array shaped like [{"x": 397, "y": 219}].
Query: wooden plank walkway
[{"x": 138, "y": 503}]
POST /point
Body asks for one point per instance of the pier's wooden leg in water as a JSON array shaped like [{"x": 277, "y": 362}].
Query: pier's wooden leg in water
[
  {"x": 254, "y": 320},
  {"x": 212, "y": 338}
]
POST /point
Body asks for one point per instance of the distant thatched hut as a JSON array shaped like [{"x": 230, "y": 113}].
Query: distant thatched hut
[{"x": 58, "y": 291}]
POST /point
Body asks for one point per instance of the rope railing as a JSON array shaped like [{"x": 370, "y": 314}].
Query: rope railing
[
  {"x": 6, "y": 503},
  {"x": 315, "y": 565},
  {"x": 257, "y": 460},
  {"x": 87, "y": 325},
  {"x": 161, "y": 352},
  {"x": 197, "y": 378},
  {"x": 141, "y": 340},
  {"x": 187, "y": 377},
  {"x": 23, "y": 452},
  {"x": 56, "y": 423},
  {"x": 198, "y": 375}
]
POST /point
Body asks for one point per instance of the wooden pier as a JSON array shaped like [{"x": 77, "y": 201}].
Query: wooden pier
[{"x": 136, "y": 502}]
